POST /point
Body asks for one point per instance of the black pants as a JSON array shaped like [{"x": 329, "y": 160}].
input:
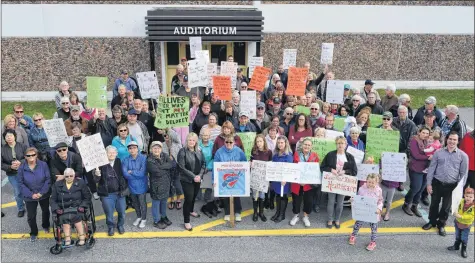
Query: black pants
[
  {"x": 470, "y": 180},
  {"x": 440, "y": 191},
  {"x": 31, "y": 209},
  {"x": 306, "y": 197},
  {"x": 90, "y": 181},
  {"x": 237, "y": 205},
  {"x": 317, "y": 196},
  {"x": 190, "y": 191}
]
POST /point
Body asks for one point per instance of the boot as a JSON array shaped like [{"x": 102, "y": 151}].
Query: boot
[
  {"x": 271, "y": 200},
  {"x": 261, "y": 210},
  {"x": 456, "y": 245},
  {"x": 277, "y": 210},
  {"x": 464, "y": 250},
  {"x": 254, "y": 216},
  {"x": 283, "y": 207},
  {"x": 266, "y": 201}
]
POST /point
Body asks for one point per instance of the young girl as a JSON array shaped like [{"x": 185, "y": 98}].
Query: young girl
[
  {"x": 371, "y": 189},
  {"x": 433, "y": 143},
  {"x": 463, "y": 221},
  {"x": 259, "y": 152}
]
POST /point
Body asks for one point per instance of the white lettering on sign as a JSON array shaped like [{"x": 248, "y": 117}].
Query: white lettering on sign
[{"x": 204, "y": 30}]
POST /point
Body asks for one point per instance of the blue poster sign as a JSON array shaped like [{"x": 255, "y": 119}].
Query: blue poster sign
[{"x": 231, "y": 179}]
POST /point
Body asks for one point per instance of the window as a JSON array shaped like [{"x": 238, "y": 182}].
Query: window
[
  {"x": 173, "y": 54},
  {"x": 188, "y": 52},
  {"x": 219, "y": 53},
  {"x": 240, "y": 53}
]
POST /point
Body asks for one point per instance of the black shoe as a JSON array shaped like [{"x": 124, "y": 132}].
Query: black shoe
[
  {"x": 3, "y": 214},
  {"x": 442, "y": 231},
  {"x": 110, "y": 232},
  {"x": 407, "y": 210},
  {"x": 428, "y": 226},
  {"x": 416, "y": 211},
  {"x": 464, "y": 251},
  {"x": 254, "y": 216},
  {"x": 121, "y": 230},
  {"x": 455, "y": 247},
  {"x": 400, "y": 188},
  {"x": 261, "y": 210},
  {"x": 281, "y": 217},
  {"x": 21, "y": 213},
  {"x": 425, "y": 201},
  {"x": 271, "y": 205},
  {"x": 166, "y": 221},
  {"x": 161, "y": 225},
  {"x": 336, "y": 226},
  {"x": 266, "y": 203},
  {"x": 277, "y": 210}
]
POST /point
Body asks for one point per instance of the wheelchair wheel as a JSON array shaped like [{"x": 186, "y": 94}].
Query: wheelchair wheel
[
  {"x": 91, "y": 242},
  {"x": 56, "y": 249}
]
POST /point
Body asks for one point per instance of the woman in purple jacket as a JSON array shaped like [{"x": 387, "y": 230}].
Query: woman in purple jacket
[
  {"x": 418, "y": 162},
  {"x": 34, "y": 181}
]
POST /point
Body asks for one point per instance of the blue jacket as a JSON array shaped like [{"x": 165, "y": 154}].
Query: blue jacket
[
  {"x": 33, "y": 182},
  {"x": 249, "y": 127},
  {"x": 286, "y": 158},
  {"x": 138, "y": 180},
  {"x": 29, "y": 123},
  {"x": 122, "y": 151},
  {"x": 223, "y": 154},
  {"x": 37, "y": 138},
  {"x": 129, "y": 84},
  {"x": 360, "y": 145},
  {"x": 207, "y": 153}
]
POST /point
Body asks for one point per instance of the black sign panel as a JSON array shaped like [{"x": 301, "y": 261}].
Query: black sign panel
[{"x": 178, "y": 24}]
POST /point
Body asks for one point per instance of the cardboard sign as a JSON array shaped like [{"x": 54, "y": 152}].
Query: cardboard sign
[
  {"x": 253, "y": 63},
  {"x": 339, "y": 124},
  {"x": 259, "y": 78},
  {"x": 359, "y": 155},
  {"x": 283, "y": 172},
  {"x": 375, "y": 120},
  {"x": 212, "y": 70},
  {"x": 274, "y": 171},
  {"x": 365, "y": 169},
  {"x": 339, "y": 184},
  {"x": 326, "y": 58},
  {"x": 258, "y": 176},
  {"x": 172, "y": 112},
  {"x": 148, "y": 84},
  {"x": 195, "y": 45},
  {"x": 364, "y": 208},
  {"x": 297, "y": 81},
  {"x": 290, "y": 58},
  {"x": 232, "y": 179},
  {"x": 332, "y": 135},
  {"x": 247, "y": 139},
  {"x": 310, "y": 173},
  {"x": 379, "y": 141},
  {"x": 335, "y": 90},
  {"x": 92, "y": 151},
  {"x": 457, "y": 195},
  {"x": 197, "y": 73},
  {"x": 55, "y": 131},
  {"x": 394, "y": 166},
  {"x": 303, "y": 109},
  {"x": 202, "y": 55},
  {"x": 222, "y": 87},
  {"x": 96, "y": 92},
  {"x": 230, "y": 69},
  {"x": 322, "y": 146},
  {"x": 248, "y": 102}
]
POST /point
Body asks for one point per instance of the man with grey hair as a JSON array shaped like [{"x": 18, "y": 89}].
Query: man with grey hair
[
  {"x": 453, "y": 123},
  {"x": 429, "y": 105},
  {"x": 390, "y": 99},
  {"x": 405, "y": 100},
  {"x": 367, "y": 89},
  {"x": 355, "y": 104},
  {"x": 406, "y": 128},
  {"x": 371, "y": 102}
]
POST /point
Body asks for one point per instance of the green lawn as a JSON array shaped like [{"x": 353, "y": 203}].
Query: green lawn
[{"x": 48, "y": 108}]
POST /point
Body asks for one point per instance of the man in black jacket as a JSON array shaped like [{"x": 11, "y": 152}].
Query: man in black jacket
[
  {"x": 201, "y": 118},
  {"x": 375, "y": 108},
  {"x": 102, "y": 124},
  {"x": 63, "y": 159}
]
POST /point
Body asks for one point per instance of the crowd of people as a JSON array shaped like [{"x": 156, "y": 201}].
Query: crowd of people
[{"x": 172, "y": 162}]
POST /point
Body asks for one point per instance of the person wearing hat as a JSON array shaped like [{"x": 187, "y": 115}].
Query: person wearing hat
[
  {"x": 240, "y": 78},
  {"x": 346, "y": 95},
  {"x": 387, "y": 122},
  {"x": 75, "y": 117},
  {"x": 367, "y": 89},
  {"x": 183, "y": 62},
  {"x": 138, "y": 130},
  {"x": 64, "y": 112},
  {"x": 276, "y": 109},
  {"x": 123, "y": 80},
  {"x": 262, "y": 120},
  {"x": 244, "y": 124},
  {"x": 62, "y": 159},
  {"x": 390, "y": 99},
  {"x": 134, "y": 169}
]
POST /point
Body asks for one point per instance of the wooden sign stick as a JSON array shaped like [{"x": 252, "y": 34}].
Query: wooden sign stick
[{"x": 231, "y": 211}]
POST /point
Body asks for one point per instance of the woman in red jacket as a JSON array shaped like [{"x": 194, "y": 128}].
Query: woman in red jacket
[
  {"x": 305, "y": 191},
  {"x": 467, "y": 145},
  {"x": 300, "y": 130}
]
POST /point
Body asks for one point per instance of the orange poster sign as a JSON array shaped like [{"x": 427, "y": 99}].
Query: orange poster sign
[
  {"x": 222, "y": 87},
  {"x": 297, "y": 81},
  {"x": 259, "y": 78}
]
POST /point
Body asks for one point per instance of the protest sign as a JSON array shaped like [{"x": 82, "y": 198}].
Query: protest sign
[
  {"x": 229, "y": 69},
  {"x": 259, "y": 78},
  {"x": 148, "y": 84},
  {"x": 310, "y": 173},
  {"x": 364, "y": 208},
  {"x": 274, "y": 171},
  {"x": 335, "y": 89},
  {"x": 253, "y": 63},
  {"x": 297, "y": 81},
  {"x": 283, "y": 172},
  {"x": 365, "y": 169},
  {"x": 322, "y": 146},
  {"x": 232, "y": 179},
  {"x": 172, "y": 112},
  {"x": 202, "y": 55},
  {"x": 212, "y": 70},
  {"x": 55, "y": 131},
  {"x": 339, "y": 124},
  {"x": 258, "y": 176},
  {"x": 332, "y": 135},
  {"x": 92, "y": 152},
  {"x": 247, "y": 139},
  {"x": 303, "y": 109},
  {"x": 248, "y": 102},
  {"x": 359, "y": 155},
  {"x": 339, "y": 184},
  {"x": 195, "y": 45},
  {"x": 290, "y": 58},
  {"x": 197, "y": 73},
  {"x": 375, "y": 120},
  {"x": 394, "y": 166},
  {"x": 326, "y": 57},
  {"x": 222, "y": 87},
  {"x": 206, "y": 181},
  {"x": 379, "y": 140},
  {"x": 96, "y": 92},
  {"x": 457, "y": 195}
]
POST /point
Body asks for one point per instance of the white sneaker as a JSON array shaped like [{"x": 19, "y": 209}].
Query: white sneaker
[
  {"x": 237, "y": 216},
  {"x": 226, "y": 218},
  {"x": 306, "y": 222},
  {"x": 137, "y": 221},
  {"x": 96, "y": 196},
  {"x": 142, "y": 223},
  {"x": 294, "y": 220}
]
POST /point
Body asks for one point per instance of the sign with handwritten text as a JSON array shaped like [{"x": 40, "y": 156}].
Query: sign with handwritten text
[
  {"x": 197, "y": 73},
  {"x": 322, "y": 146},
  {"x": 253, "y": 63},
  {"x": 375, "y": 120},
  {"x": 364, "y": 208},
  {"x": 394, "y": 166},
  {"x": 148, "y": 84},
  {"x": 326, "y": 57},
  {"x": 379, "y": 141},
  {"x": 310, "y": 173},
  {"x": 222, "y": 87},
  {"x": 339, "y": 184},
  {"x": 335, "y": 90},
  {"x": 258, "y": 176},
  {"x": 259, "y": 78},
  {"x": 365, "y": 169},
  {"x": 290, "y": 58},
  {"x": 248, "y": 102},
  {"x": 55, "y": 131},
  {"x": 195, "y": 45},
  {"x": 96, "y": 92},
  {"x": 212, "y": 70},
  {"x": 297, "y": 81},
  {"x": 202, "y": 55},
  {"x": 92, "y": 152},
  {"x": 247, "y": 139},
  {"x": 172, "y": 112}
]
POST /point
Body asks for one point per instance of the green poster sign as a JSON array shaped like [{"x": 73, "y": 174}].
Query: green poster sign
[
  {"x": 172, "y": 112},
  {"x": 322, "y": 146},
  {"x": 96, "y": 92},
  {"x": 339, "y": 124},
  {"x": 247, "y": 139},
  {"x": 375, "y": 120},
  {"x": 303, "y": 109},
  {"x": 380, "y": 140}
]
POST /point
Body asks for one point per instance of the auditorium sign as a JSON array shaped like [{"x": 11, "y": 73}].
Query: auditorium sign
[{"x": 205, "y": 30}]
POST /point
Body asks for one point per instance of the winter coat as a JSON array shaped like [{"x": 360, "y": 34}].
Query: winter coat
[
  {"x": 220, "y": 142},
  {"x": 407, "y": 129},
  {"x": 419, "y": 117},
  {"x": 34, "y": 181},
  {"x": 7, "y": 157},
  {"x": 122, "y": 150},
  {"x": 207, "y": 153},
  {"x": 313, "y": 158},
  {"x": 186, "y": 160},
  {"x": 57, "y": 166},
  {"x": 467, "y": 145},
  {"x": 285, "y": 158},
  {"x": 199, "y": 122},
  {"x": 38, "y": 139},
  {"x": 360, "y": 146},
  {"x": 159, "y": 170},
  {"x": 69, "y": 122},
  {"x": 224, "y": 154},
  {"x": 375, "y": 193},
  {"x": 104, "y": 128},
  {"x": 458, "y": 126},
  {"x": 137, "y": 179},
  {"x": 249, "y": 127},
  {"x": 102, "y": 187},
  {"x": 76, "y": 196},
  {"x": 61, "y": 114},
  {"x": 329, "y": 163},
  {"x": 21, "y": 136}
]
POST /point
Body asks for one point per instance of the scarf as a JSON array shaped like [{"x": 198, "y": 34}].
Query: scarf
[{"x": 420, "y": 143}]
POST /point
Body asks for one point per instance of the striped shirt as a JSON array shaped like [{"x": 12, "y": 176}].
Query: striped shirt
[
  {"x": 448, "y": 167},
  {"x": 214, "y": 132}
]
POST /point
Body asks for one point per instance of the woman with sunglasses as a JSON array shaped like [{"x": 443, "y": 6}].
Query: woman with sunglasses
[
  {"x": 283, "y": 153},
  {"x": 227, "y": 129},
  {"x": 10, "y": 122},
  {"x": 37, "y": 137},
  {"x": 122, "y": 140},
  {"x": 34, "y": 181}
]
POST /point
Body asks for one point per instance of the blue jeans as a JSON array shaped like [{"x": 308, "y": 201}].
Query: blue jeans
[
  {"x": 260, "y": 194},
  {"x": 462, "y": 234},
  {"x": 159, "y": 209},
  {"x": 109, "y": 204},
  {"x": 20, "y": 205},
  {"x": 418, "y": 183}
]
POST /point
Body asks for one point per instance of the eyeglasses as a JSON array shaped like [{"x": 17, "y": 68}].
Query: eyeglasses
[
  {"x": 355, "y": 100},
  {"x": 68, "y": 176},
  {"x": 30, "y": 155},
  {"x": 229, "y": 142},
  {"x": 386, "y": 119},
  {"x": 61, "y": 150},
  {"x": 18, "y": 111},
  {"x": 64, "y": 102},
  {"x": 122, "y": 130},
  {"x": 289, "y": 113},
  {"x": 38, "y": 120},
  {"x": 313, "y": 108},
  {"x": 243, "y": 87},
  {"x": 260, "y": 108}
]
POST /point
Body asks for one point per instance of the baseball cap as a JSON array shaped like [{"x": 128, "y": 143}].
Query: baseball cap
[
  {"x": 260, "y": 105},
  {"x": 183, "y": 58},
  {"x": 369, "y": 82},
  {"x": 132, "y": 143},
  {"x": 123, "y": 72},
  {"x": 387, "y": 114},
  {"x": 61, "y": 145},
  {"x": 155, "y": 143},
  {"x": 347, "y": 86},
  {"x": 243, "y": 113},
  {"x": 276, "y": 101},
  {"x": 132, "y": 112},
  {"x": 75, "y": 107}
]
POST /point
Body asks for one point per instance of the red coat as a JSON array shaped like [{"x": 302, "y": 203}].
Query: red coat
[
  {"x": 295, "y": 188},
  {"x": 467, "y": 145}
]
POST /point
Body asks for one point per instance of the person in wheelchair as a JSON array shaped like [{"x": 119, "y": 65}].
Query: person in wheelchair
[{"x": 69, "y": 199}]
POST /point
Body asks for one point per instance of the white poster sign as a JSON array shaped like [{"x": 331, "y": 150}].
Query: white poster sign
[
  {"x": 92, "y": 151},
  {"x": 332, "y": 135},
  {"x": 290, "y": 58},
  {"x": 335, "y": 90},
  {"x": 283, "y": 172},
  {"x": 202, "y": 55},
  {"x": 339, "y": 184},
  {"x": 393, "y": 166},
  {"x": 258, "y": 176},
  {"x": 197, "y": 73},
  {"x": 327, "y": 53},
  {"x": 364, "y": 208},
  {"x": 55, "y": 131},
  {"x": 253, "y": 62},
  {"x": 195, "y": 45},
  {"x": 359, "y": 155},
  {"x": 212, "y": 69},
  {"x": 273, "y": 172},
  {"x": 365, "y": 169},
  {"x": 457, "y": 195},
  {"x": 148, "y": 84},
  {"x": 248, "y": 102},
  {"x": 310, "y": 173},
  {"x": 230, "y": 69}
]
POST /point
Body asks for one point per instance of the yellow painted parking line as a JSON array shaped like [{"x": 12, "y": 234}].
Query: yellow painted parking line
[
  {"x": 244, "y": 233},
  {"x": 351, "y": 222},
  {"x": 6, "y": 205}
]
